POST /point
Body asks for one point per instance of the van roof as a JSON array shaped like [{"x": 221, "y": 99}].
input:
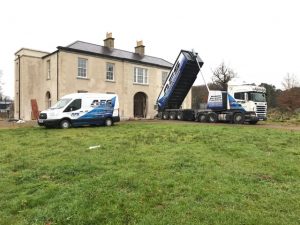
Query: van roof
[{"x": 88, "y": 95}]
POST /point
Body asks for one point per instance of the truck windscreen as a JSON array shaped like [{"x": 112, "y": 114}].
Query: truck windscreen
[{"x": 257, "y": 96}]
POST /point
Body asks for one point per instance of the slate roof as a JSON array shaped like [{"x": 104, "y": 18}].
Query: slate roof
[{"x": 93, "y": 49}]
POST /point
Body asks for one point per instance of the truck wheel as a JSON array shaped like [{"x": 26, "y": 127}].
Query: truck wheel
[
  {"x": 165, "y": 116},
  {"x": 238, "y": 118},
  {"x": 202, "y": 118},
  {"x": 108, "y": 122},
  {"x": 159, "y": 115},
  {"x": 172, "y": 116},
  {"x": 65, "y": 124},
  {"x": 212, "y": 117},
  {"x": 180, "y": 116}
]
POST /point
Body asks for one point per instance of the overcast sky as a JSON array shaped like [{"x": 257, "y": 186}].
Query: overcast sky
[{"x": 258, "y": 39}]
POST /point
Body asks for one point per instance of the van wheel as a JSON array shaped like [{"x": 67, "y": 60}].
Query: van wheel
[
  {"x": 65, "y": 124},
  {"x": 108, "y": 122},
  {"x": 212, "y": 117},
  {"x": 238, "y": 118}
]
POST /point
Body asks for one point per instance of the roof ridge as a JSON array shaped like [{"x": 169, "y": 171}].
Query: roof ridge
[
  {"x": 115, "y": 49},
  {"x": 72, "y": 43}
]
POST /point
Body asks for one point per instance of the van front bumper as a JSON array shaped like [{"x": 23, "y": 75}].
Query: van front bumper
[{"x": 48, "y": 123}]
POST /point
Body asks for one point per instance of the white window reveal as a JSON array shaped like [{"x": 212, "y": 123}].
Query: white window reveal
[
  {"x": 140, "y": 75},
  {"x": 48, "y": 70},
  {"x": 82, "y": 68},
  {"x": 110, "y": 69}
]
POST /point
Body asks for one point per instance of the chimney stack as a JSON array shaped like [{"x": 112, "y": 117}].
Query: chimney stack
[
  {"x": 109, "y": 41},
  {"x": 140, "y": 48}
]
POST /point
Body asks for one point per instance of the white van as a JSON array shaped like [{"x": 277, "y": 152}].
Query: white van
[{"x": 80, "y": 109}]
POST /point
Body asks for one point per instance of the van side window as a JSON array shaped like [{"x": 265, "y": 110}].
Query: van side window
[{"x": 75, "y": 105}]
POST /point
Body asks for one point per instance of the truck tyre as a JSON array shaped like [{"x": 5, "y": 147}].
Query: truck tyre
[
  {"x": 159, "y": 115},
  {"x": 238, "y": 118},
  {"x": 212, "y": 117},
  {"x": 202, "y": 118},
  {"x": 180, "y": 116},
  {"x": 65, "y": 124},
  {"x": 165, "y": 116},
  {"x": 108, "y": 122},
  {"x": 172, "y": 116}
]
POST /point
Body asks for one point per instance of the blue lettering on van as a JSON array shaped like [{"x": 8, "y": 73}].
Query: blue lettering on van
[
  {"x": 101, "y": 111},
  {"x": 74, "y": 114}
]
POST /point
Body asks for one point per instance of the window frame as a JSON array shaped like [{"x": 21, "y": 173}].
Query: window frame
[
  {"x": 140, "y": 77},
  {"x": 81, "y": 68},
  {"x": 112, "y": 72},
  {"x": 48, "y": 69}
]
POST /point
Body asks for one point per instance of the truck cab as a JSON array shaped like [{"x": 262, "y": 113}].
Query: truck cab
[{"x": 252, "y": 98}]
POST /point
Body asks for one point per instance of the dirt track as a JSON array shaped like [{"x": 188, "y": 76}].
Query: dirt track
[{"x": 11, "y": 125}]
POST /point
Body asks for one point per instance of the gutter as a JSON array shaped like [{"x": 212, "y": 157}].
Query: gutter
[{"x": 111, "y": 57}]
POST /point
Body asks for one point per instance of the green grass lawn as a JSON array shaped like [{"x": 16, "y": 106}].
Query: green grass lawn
[{"x": 150, "y": 173}]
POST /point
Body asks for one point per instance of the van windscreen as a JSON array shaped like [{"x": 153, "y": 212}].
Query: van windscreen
[{"x": 61, "y": 103}]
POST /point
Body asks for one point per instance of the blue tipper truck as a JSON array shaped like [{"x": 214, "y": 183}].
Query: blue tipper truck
[
  {"x": 239, "y": 104},
  {"x": 179, "y": 81}
]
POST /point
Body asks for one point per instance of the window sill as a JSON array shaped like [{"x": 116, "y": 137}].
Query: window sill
[
  {"x": 140, "y": 84},
  {"x": 110, "y": 81},
  {"x": 82, "y": 78}
]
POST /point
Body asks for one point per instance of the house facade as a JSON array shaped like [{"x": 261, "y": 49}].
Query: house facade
[{"x": 84, "y": 67}]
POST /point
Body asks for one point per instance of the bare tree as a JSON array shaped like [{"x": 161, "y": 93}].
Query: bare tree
[
  {"x": 222, "y": 75},
  {"x": 290, "y": 81}
]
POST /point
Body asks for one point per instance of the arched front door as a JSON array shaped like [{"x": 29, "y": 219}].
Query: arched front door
[{"x": 140, "y": 105}]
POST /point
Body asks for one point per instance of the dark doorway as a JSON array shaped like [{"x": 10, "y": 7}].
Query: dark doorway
[
  {"x": 140, "y": 105},
  {"x": 48, "y": 100}
]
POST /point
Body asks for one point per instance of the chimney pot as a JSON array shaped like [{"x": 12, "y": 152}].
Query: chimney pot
[
  {"x": 140, "y": 48},
  {"x": 108, "y": 35},
  {"x": 109, "y": 41}
]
